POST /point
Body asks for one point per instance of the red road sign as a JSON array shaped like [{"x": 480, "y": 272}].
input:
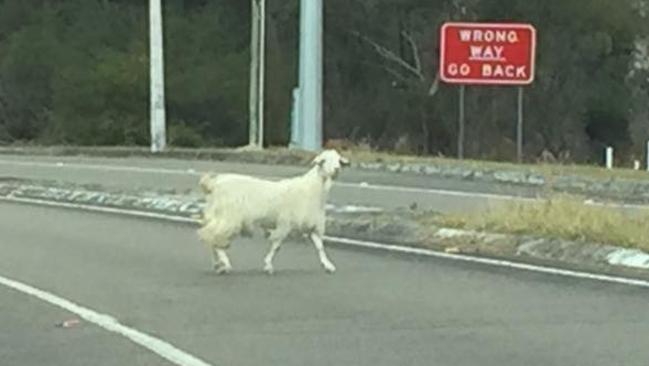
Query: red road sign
[{"x": 487, "y": 53}]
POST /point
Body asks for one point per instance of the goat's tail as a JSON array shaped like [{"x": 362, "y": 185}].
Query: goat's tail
[{"x": 205, "y": 183}]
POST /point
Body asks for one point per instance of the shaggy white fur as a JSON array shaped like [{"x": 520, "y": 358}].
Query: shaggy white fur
[{"x": 238, "y": 203}]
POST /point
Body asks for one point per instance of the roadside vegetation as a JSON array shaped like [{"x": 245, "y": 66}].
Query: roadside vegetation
[
  {"x": 562, "y": 217},
  {"x": 76, "y": 72}
]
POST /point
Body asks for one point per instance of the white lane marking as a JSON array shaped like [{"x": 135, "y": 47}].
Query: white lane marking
[
  {"x": 155, "y": 215},
  {"x": 492, "y": 262},
  {"x": 376, "y": 245},
  {"x": 352, "y": 209},
  {"x": 444, "y": 192},
  {"x": 143, "y": 214},
  {"x": 107, "y": 167},
  {"x": 153, "y": 344},
  {"x": 362, "y": 185}
]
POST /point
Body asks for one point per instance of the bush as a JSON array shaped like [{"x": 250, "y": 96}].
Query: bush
[{"x": 181, "y": 135}]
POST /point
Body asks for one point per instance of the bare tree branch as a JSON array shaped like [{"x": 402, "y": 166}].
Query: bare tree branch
[
  {"x": 396, "y": 74},
  {"x": 415, "y": 52},
  {"x": 391, "y": 56},
  {"x": 434, "y": 87},
  {"x": 415, "y": 70}
]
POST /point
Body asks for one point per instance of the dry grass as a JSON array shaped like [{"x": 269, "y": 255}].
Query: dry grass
[{"x": 562, "y": 217}]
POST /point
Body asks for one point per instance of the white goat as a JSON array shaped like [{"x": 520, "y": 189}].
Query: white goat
[{"x": 237, "y": 203}]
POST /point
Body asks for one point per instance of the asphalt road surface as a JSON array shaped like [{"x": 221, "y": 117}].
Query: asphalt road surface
[
  {"x": 378, "y": 309},
  {"x": 387, "y": 190}
]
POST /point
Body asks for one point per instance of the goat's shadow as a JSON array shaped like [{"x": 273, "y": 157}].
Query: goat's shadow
[{"x": 260, "y": 273}]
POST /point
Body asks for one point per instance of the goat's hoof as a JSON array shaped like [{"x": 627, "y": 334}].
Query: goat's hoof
[
  {"x": 269, "y": 269},
  {"x": 330, "y": 268},
  {"x": 223, "y": 270}
]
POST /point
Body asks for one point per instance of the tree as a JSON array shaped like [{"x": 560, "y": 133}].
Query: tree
[{"x": 76, "y": 71}]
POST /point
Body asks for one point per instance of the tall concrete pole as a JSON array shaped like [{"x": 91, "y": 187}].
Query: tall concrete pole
[
  {"x": 157, "y": 113},
  {"x": 257, "y": 74},
  {"x": 311, "y": 23}
]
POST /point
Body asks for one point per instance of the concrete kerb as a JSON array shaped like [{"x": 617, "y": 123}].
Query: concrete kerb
[{"x": 368, "y": 226}]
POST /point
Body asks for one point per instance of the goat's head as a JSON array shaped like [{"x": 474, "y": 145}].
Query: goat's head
[{"x": 330, "y": 162}]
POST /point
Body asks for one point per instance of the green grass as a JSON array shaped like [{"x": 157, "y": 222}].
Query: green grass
[{"x": 563, "y": 217}]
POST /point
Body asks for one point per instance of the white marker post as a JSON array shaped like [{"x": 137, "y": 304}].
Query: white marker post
[
  {"x": 609, "y": 157},
  {"x": 157, "y": 117}
]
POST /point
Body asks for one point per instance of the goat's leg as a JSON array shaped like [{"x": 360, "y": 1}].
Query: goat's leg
[
  {"x": 276, "y": 237},
  {"x": 223, "y": 265},
  {"x": 324, "y": 260},
  {"x": 216, "y": 262}
]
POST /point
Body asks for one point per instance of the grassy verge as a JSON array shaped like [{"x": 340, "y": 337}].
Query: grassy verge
[{"x": 562, "y": 217}]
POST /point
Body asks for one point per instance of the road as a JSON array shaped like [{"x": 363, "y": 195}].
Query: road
[
  {"x": 386, "y": 190},
  {"x": 378, "y": 309}
]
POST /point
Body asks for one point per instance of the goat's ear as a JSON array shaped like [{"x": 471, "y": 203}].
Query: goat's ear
[{"x": 318, "y": 161}]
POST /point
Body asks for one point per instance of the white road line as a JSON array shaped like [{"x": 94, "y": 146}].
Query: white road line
[
  {"x": 107, "y": 167},
  {"x": 386, "y": 187},
  {"x": 153, "y": 344},
  {"x": 492, "y": 262},
  {"x": 143, "y": 214},
  {"x": 377, "y": 246},
  {"x": 377, "y": 187},
  {"x": 380, "y": 187}
]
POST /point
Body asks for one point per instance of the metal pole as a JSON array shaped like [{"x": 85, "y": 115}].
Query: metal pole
[
  {"x": 262, "y": 69},
  {"x": 254, "y": 76},
  {"x": 157, "y": 95},
  {"x": 519, "y": 128},
  {"x": 311, "y": 73},
  {"x": 299, "y": 133},
  {"x": 295, "y": 120},
  {"x": 460, "y": 134},
  {"x": 647, "y": 151}
]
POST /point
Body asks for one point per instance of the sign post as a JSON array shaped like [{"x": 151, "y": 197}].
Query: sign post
[
  {"x": 519, "y": 127},
  {"x": 647, "y": 158},
  {"x": 460, "y": 129},
  {"x": 488, "y": 54}
]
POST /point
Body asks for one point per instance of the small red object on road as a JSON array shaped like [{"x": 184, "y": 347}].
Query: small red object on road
[{"x": 69, "y": 323}]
